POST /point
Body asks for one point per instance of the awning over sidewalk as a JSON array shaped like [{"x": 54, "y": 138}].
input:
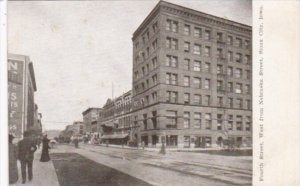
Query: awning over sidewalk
[{"x": 114, "y": 136}]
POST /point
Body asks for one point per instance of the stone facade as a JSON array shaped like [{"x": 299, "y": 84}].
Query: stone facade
[{"x": 192, "y": 79}]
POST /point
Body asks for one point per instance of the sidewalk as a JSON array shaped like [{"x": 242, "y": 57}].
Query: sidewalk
[{"x": 43, "y": 173}]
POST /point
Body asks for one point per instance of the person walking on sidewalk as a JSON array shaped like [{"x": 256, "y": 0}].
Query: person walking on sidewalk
[
  {"x": 45, "y": 150},
  {"x": 26, "y": 149},
  {"x": 13, "y": 156}
]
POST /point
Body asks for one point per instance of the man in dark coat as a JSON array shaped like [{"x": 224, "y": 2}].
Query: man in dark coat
[{"x": 26, "y": 149}]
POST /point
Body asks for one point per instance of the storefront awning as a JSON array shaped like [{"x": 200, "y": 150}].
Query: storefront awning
[{"x": 114, "y": 136}]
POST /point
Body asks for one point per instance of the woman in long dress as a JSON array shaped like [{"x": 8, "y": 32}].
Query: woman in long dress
[
  {"x": 13, "y": 168},
  {"x": 45, "y": 150}
]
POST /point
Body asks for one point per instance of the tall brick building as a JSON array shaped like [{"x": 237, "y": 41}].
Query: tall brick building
[{"x": 192, "y": 79}]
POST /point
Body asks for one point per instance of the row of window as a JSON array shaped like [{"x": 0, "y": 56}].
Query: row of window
[
  {"x": 172, "y": 79},
  {"x": 204, "y": 121},
  {"x": 146, "y": 35},
  {"x": 205, "y": 100},
  {"x": 206, "y": 34}
]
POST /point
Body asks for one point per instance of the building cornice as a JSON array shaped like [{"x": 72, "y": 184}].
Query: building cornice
[{"x": 193, "y": 15}]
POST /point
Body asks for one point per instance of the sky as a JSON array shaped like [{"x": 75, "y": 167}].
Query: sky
[{"x": 80, "y": 49}]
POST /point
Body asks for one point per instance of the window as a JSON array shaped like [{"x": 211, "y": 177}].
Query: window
[
  {"x": 207, "y": 84},
  {"x": 230, "y": 87},
  {"x": 247, "y": 59},
  {"x": 154, "y": 62},
  {"x": 143, "y": 86},
  {"x": 238, "y": 57},
  {"x": 229, "y": 71},
  {"x": 248, "y": 75},
  {"x": 219, "y": 36},
  {"x": 197, "y": 49},
  {"x": 154, "y": 27},
  {"x": 220, "y": 85},
  {"x": 147, "y": 68},
  {"x": 247, "y": 44},
  {"x": 187, "y": 46},
  {"x": 248, "y": 104},
  {"x": 186, "y": 122},
  {"x": 197, "y": 32},
  {"x": 145, "y": 121},
  {"x": 239, "y": 122},
  {"x": 187, "y": 30},
  {"x": 248, "y": 123},
  {"x": 174, "y": 79},
  {"x": 197, "y": 66},
  {"x": 238, "y": 42},
  {"x": 207, "y": 100},
  {"x": 186, "y": 64},
  {"x": 197, "y": 120},
  {"x": 147, "y": 52},
  {"x": 247, "y": 89},
  {"x": 230, "y": 122},
  {"x": 186, "y": 97},
  {"x": 172, "y": 97},
  {"x": 229, "y": 40},
  {"x": 136, "y": 74},
  {"x": 219, "y": 121},
  {"x": 154, "y": 119},
  {"x": 154, "y": 79},
  {"x": 172, "y": 26},
  {"x": 207, "y": 35},
  {"x": 147, "y": 100},
  {"x": 208, "y": 121},
  {"x": 219, "y": 53},
  {"x": 171, "y": 79},
  {"x": 238, "y": 73},
  {"x": 238, "y": 88},
  {"x": 171, "y": 119},
  {"x": 207, "y": 51},
  {"x": 143, "y": 71},
  {"x": 172, "y": 43},
  {"x": 197, "y": 99},
  {"x": 171, "y": 61},
  {"x": 186, "y": 81},
  {"x": 230, "y": 56},
  {"x": 154, "y": 97},
  {"x": 219, "y": 69},
  {"x": 154, "y": 44},
  {"x": 230, "y": 100},
  {"x": 147, "y": 83},
  {"x": 207, "y": 67},
  {"x": 220, "y": 101},
  {"x": 197, "y": 82},
  {"x": 239, "y": 103}
]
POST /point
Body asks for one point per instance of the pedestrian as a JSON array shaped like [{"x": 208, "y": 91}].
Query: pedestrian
[
  {"x": 143, "y": 145},
  {"x": 13, "y": 156},
  {"x": 76, "y": 142},
  {"x": 26, "y": 149},
  {"x": 45, "y": 150}
]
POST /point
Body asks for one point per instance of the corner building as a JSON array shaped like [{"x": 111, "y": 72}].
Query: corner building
[{"x": 192, "y": 75}]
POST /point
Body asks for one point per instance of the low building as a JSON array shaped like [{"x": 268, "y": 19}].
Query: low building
[
  {"x": 115, "y": 120},
  {"x": 90, "y": 119},
  {"x": 21, "y": 89}
]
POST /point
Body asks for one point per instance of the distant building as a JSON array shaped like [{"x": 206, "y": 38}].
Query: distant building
[
  {"x": 192, "y": 79},
  {"x": 74, "y": 130},
  {"x": 115, "y": 119},
  {"x": 21, "y": 89},
  {"x": 37, "y": 127},
  {"x": 90, "y": 119}
]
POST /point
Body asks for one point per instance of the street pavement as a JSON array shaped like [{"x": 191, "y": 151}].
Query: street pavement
[
  {"x": 43, "y": 173},
  {"x": 174, "y": 168}
]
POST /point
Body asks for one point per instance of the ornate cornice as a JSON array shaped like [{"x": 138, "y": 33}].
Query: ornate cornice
[{"x": 205, "y": 18}]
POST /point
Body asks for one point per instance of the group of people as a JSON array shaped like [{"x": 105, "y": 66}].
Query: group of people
[{"x": 24, "y": 152}]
